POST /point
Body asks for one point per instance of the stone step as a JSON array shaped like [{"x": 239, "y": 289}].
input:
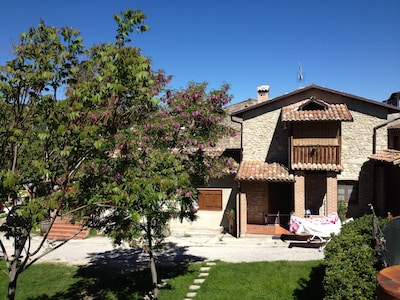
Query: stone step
[{"x": 62, "y": 230}]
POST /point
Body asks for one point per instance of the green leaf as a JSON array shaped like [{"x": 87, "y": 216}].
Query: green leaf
[
  {"x": 65, "y": 152},
  {"x": 74, "y": 115},
  {"x": 61, "y": 129},
  {"x": 10, "y": 180},
  {"x": 43, "y": 135},
  {"x": 98, "y": 144}
]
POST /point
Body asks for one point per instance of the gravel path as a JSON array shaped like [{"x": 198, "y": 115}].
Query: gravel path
[{"x": 188, "y": 246}]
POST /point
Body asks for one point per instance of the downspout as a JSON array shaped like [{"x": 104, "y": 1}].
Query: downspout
[
  {"x": 374, "y": 133},
  {"x": 241, "y": 137},
  {"x": 239, "y": 201}
]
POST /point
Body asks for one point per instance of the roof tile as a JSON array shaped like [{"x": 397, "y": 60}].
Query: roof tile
[
  {"x": 317, "y": 167},
  {"x": 388, "y": 156},
  {"x": 328, "y": 112},
  {"x": 261, "y": 171}
]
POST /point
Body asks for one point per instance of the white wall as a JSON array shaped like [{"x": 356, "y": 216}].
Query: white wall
[{"x": 207, "y": 220}]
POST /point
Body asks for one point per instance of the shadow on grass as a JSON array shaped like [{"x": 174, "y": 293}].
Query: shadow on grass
[
  {"x": 311, "y": 289},
  {"x": 124, "y": 273}
]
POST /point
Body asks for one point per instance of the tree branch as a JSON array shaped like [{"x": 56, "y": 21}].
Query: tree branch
[
  {"x": 56, "y": 247},
  {"x": 3, "y": 249}
]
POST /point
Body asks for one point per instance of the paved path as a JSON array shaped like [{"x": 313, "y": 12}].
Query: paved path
[
  {"x": 244, "y": 249},
  {"x": 188, "y": 246}
]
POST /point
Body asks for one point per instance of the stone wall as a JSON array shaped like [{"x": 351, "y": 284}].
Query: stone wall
[
  {"x": 233, "y": 142},
  {"x": 357, "y": 140},
  {"x": 264, "y": 138}
]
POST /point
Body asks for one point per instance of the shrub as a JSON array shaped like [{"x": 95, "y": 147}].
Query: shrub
[{"x": 350, "y": 260}]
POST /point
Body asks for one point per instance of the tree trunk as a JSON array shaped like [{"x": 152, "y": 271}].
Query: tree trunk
[
  {"x": 153, "y": 268},
  {"x": 12, "y": 284},
  {"x": 16, "y": 265},
  {"x": 153, "y": 275}
]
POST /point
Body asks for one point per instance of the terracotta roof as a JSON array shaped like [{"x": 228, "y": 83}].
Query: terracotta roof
[
  {"x": 317, "y": 167},
  {"x": 261, "y": 171},
  {"x": 320, "y": 111},
  {"x": 390, "y": 108},
  {"x": 388, "y": 156}
]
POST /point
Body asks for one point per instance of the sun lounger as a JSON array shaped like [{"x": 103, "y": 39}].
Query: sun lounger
[{"x": 312, "y": 232}]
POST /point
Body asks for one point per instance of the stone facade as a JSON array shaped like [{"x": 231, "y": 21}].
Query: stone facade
[
  {"x": 357, "y": 143},
  {"x": 235, "y": 141},
  {"x": 265, "y": 138},
  {"x": 258, "y": 134}
]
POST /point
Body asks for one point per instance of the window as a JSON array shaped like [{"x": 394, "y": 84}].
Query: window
[
  {"x": 210, "y": 199},
  {"x": 347, "y": 191}
]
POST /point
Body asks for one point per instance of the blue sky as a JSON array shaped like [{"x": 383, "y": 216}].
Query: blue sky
[{"x": 347, "y": 45}]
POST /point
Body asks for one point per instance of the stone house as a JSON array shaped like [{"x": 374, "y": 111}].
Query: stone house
[{"x": 307, "y": 150}]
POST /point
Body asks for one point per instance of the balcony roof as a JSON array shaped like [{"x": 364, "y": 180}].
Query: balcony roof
[
  {"x": 317, "y": 167},
  {"x": 262, "y": 171}
]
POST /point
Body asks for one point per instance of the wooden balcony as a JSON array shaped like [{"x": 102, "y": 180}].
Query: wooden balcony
[{"x": 317, "y": 154}]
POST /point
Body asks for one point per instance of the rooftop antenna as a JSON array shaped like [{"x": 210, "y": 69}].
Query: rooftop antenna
[{"x": 300, "y": 75}]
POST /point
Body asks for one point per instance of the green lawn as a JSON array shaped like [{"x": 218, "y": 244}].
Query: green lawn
[{"x": 261, "y": 280}]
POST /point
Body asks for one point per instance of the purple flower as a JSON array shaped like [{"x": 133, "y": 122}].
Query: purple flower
[{"x": 196, "y": 113}]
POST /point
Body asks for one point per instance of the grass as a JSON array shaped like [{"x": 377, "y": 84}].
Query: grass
[
  {"x": 41, "y": 279},
  {"x": 259, "y": 280},
  {"x": 102, "y": 280}
]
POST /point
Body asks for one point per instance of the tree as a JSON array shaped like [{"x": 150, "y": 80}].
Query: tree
[
  {"x": 28, "y": 90},
  {"x": 46, "y": 140},
  {"x": 157, "y": 167},
  {"x": 120, "y": 152}
]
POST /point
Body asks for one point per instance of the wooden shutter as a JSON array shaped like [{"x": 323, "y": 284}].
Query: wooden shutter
[{"x": 210, "y": 199}]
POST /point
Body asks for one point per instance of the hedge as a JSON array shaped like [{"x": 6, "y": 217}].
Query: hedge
[{"x": 351, "y": 261}]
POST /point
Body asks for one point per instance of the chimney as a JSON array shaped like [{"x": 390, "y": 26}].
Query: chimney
[{"x": 263, "y": 93}]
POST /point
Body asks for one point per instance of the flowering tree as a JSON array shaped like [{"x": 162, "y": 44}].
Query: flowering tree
[
  {"x": 119, "y": 153},
  {"x": 156, "y": 166}
]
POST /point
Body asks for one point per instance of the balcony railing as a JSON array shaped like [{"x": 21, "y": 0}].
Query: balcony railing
[{"x": 326, "y": 154}]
